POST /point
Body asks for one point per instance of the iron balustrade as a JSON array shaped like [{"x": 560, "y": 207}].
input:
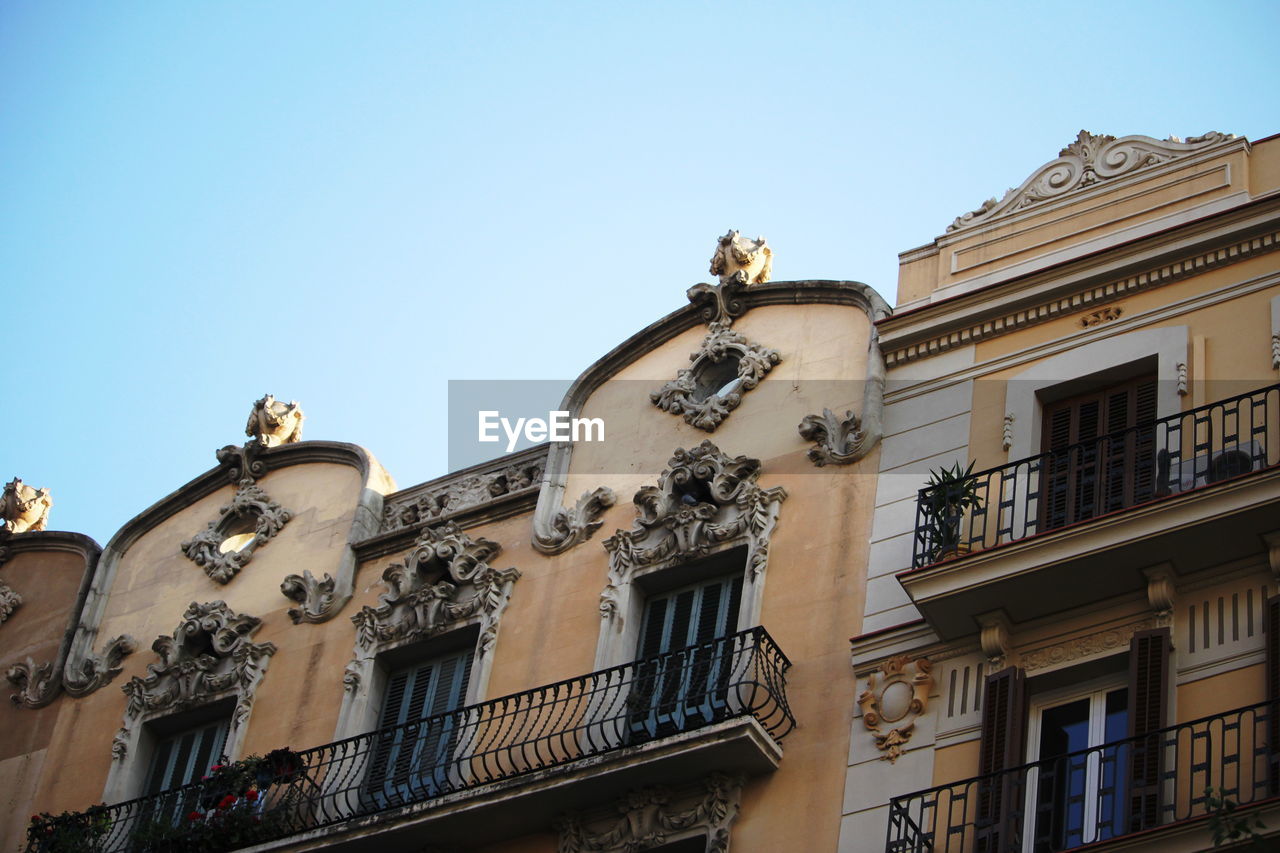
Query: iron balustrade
[
  {"x": 743, "y": 675},
  {"x": 1104, "y": 792},
  {"x": 1150, "y": 462}
]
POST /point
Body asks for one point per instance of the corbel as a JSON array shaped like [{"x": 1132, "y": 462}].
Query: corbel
[
  {"x": 1161, "y": 592},
  {"x": 995, "y": 637}
]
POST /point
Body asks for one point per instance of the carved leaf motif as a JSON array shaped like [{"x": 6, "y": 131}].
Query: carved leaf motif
[
  {"x": 205, "y": 549},
  {"x": 680, "y": 396}
]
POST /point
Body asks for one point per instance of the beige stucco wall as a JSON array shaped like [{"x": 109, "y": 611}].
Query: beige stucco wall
[{"x": 154, "y": 583}]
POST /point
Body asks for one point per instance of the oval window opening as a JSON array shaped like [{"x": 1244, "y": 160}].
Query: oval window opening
[{"x": 717, "y": 378}]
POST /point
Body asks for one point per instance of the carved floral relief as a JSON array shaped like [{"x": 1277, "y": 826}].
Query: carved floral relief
[{"x": 247, "y": 523}]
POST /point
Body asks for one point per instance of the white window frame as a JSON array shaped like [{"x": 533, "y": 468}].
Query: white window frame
[{"x": 1096, "y": 692}]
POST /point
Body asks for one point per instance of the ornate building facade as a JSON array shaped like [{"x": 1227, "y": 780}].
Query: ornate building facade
[{"x": 1041, "y": 494}]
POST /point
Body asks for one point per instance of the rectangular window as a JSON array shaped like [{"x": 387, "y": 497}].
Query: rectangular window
[
  {"x": 685, "y": 659},
  {"x": 413, "y": 750}
]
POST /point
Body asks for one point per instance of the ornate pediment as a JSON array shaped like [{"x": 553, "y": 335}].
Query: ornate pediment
[
  {"x": 703, "y": 500},
  {"x": 208, "y": 657},
  {"x": 1090, "y": 159},
  {"x": 444, "y": 582},
  {"x": 226, "y": 546}
]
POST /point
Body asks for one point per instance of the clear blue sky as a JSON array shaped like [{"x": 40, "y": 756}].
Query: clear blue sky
[{"x": 349, "y": 204}]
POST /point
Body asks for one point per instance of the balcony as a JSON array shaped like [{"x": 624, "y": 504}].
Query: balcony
[
  {"x": 494, "y": 770},
  {"x": 1149, "y": 791},
  {"x": 1193, "y": 489}
]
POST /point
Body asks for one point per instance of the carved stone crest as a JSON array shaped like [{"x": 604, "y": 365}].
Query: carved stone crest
[
  {"x": 703, "y": 499},
  {"x": 226, "y": 546},
  {"x": 725, "y": 367},
  {"x": 897, "y": 699},
  {"x": 272, "y": 422},
  {"x": 23, "y": 508},
  {"x": 208, "y": 657},
  {"x": 741, "y": 258},
  {"x": 650, "y": 817},
  {"x": 445, "y": 581}
]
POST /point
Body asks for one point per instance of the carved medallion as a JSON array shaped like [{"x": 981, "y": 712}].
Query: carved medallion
[
  {"x": 896, "y": 699},
  {"x": 725, "y": 367},
  {"x": 226, "y": 546}
]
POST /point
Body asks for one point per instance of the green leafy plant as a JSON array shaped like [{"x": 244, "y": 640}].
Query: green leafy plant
[
  {"x": 1227, "y": 825},
  {"x": 948, "y": 494},
  {"x": 69, "y": 832}
]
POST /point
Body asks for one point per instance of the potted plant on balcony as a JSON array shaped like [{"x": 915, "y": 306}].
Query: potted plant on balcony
[{"x": 948, "y": 494}]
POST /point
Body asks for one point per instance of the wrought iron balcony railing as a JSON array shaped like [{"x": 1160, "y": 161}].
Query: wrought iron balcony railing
[
  {"x": 1150, "y": 462},
  {"x": 738, "y": 676},
  {"x": 1096, "y": 794}
]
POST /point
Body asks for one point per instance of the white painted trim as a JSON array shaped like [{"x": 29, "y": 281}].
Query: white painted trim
[
  {"x": 1168, "y": 344},
  {"x": 1217, "y": 667}
]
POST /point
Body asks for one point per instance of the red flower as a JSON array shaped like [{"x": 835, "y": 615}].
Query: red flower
[
  {"x": 252, "y": 796},
  {"x": 227, "y": 802},
  {"x": 194, "y": 816},
  {"x": 215, "y": 767}
]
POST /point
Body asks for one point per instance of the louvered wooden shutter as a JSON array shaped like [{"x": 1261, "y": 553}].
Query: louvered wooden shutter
[
  {"x": 1101, "y": 459},
  {"x": 1273, "y": 693},
  {"x": 1148, "y": 687},
  {"x": 1004, "y": 720}
]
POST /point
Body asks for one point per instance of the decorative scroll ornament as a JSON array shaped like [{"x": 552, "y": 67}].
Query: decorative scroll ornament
[
  {"x": 39, "y": 684},
  {"x": 272, "y": 422},
  {"x": 725, "y": 367},
  {"x": 1006, "y": 435},
  {"x": 650, "y": 817},
  {"x": 703, "y": 500},
  {"x": 226, "y": 546},
  {"x": 569, "y": 527},
  {"x": 461, "y": 494},
  {"x": 840, "y": 440},
  {"x": 899, "y": 701},
  {"x": 9, "y": 601},
  {"x": 208, "y": 657},
  {"x": 425, "y": 593},
  {"x": 23, "y": 508},
  {"x": 319, "y": 603},
  {"x": 1085, "y": 162}
]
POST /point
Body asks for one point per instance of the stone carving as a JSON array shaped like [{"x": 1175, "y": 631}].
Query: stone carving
[
  {"x": 1182, "y": 378},
  {"x": 899, "y": 701},
  {"x": 1006, "y": 434},
  {"x": 461, "y": 494},
  {"x": 23, "y": 508},
  {"x": 242, "y": 463},
  {"x": 9, "y": 601},
  {"x": 704, "y": 499},
  {"x": 1161, "y": 593},
  {"x": 351, "y": 677},
  {"x": 272, "y": 422},
  {"x": 1086, "y": 161},
  {"x": 995, "y": 637},
  {"x": 1275, "y": 350},
  {"x": 39, "y": 684},
  {"x": 840, "y": 439},
  {"x": 208, "y": 657},
  {"x": 226, "y": 546},
  {"x": 1079, "y": 647},
  {"x": 650, "y": 817},
  {"x": 319, "y": 603},
  {"x": 706, "y": 395},
  {"x": 1102, "y": 315},
  {"x": 742, "y": 259},
  {"x": 120, "y": 745},
  {"x": 424, "y": 593},
  {"x": 569, "y": 527}
]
